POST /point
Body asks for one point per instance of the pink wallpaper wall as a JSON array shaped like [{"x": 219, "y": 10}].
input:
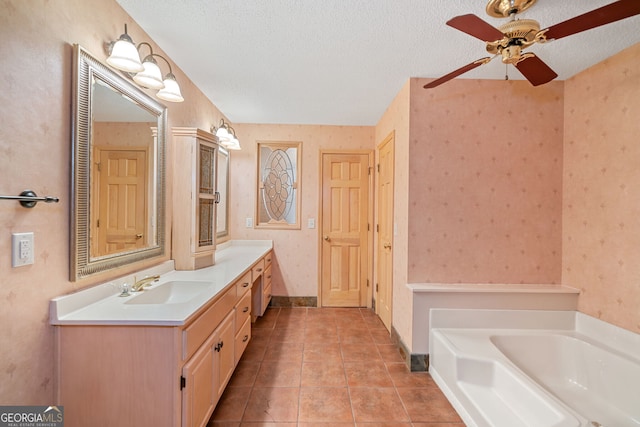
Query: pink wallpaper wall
[
  {"x": 122, "y": 134},
  {"x": 295, "y": 272},
  {"x": 35, "y": 152},
  {"x": 499, "y": 158},
  {"x": 601, "y": 209},
  {"x": 485, "y": 186}
]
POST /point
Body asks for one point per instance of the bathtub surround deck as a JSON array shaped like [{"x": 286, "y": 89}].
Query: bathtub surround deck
[
  {"x": 545, "y": 368},
  {"x": 512, "y": 296}
]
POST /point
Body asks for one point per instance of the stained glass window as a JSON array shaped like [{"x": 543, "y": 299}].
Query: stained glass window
[{"x": 279, "y": 184}]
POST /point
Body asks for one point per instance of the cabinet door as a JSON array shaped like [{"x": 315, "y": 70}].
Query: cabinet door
[
  {"x": 198, "y": 395},
  {"x": 225, "y": 356},
  {"x": 222, "y": 187},
  {"x": 207, "y": 196}
]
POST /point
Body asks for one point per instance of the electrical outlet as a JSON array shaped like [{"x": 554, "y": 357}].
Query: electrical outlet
[
  {"x": 21, "y": 249},
  {"x": 248, "y": 222}
]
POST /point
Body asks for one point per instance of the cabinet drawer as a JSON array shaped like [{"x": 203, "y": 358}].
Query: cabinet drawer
[
  {"x": 242, "y": 339},
  {"x": 195, "y": 334},
  {"x": 243, "y": 284},
  {"x": 266, "y": 277},
  {"x": 257, "y": 269},
  {"x": 267, "y": 259},
  {"x": 243, "y": 310},
  {"x": 266, "y": 298}
]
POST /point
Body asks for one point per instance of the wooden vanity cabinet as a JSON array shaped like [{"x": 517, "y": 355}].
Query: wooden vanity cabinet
[
  {"x": 156, "y": 376},
  {"x": 207, "y": 373},
  {"x": 261, "y": 276},
  {"x": 195, "y": 197},
  {"x": 243, "y": 316}
]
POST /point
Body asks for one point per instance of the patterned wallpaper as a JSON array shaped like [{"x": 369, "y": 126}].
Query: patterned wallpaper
[
  {"x": 35, "y": 153},
  {"x": 485, "y": 182},
  {"x": 601, "y": 209},
  {"x": 295, "y": 272}
]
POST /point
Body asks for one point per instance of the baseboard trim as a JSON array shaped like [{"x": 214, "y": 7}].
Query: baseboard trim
[
  {"x": 277, "y": 301},
  {"x": 416, "y": 362}
]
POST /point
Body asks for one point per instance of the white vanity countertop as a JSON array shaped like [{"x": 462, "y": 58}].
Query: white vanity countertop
[{"x": 101, "y": 305}]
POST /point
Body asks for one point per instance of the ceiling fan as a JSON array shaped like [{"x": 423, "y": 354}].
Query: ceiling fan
[{"x": 510, "y": 39}]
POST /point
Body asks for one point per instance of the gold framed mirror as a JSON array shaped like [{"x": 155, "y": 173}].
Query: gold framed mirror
[{"x": 118, "y": 170}]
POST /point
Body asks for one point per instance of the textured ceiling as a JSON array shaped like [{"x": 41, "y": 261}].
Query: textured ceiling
[{"x": 341, "y": 62}]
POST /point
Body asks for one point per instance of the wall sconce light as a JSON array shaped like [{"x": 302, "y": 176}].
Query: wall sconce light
[
  {"x": 125, "y": 56},
  {"x": 226, "y": 135}
]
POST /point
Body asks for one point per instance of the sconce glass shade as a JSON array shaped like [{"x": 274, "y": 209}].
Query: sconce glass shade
[
  {"x": 233, "y": 144},
  {"x": 150, "y": 77},
  {"x": 223, "y": 135},
  {"x": 171, "y": 90},
  {"x": 124, "y": 55},
  {"x": 227, "y": 136}
]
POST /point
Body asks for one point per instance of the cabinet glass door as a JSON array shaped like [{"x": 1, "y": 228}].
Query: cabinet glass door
[{"x": 206, "y": 194}]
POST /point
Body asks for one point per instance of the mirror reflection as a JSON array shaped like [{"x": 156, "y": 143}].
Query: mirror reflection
[
  {"x": 118, "y": 170},
  {"x": 122, "y": 138}
]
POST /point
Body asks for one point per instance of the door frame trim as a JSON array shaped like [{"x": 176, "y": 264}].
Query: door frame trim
[
  {"x": 370, "y": 208},
  {"x": 389, "y": 139}
]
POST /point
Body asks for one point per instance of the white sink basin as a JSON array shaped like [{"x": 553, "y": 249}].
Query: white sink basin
[{"x": 174, "y": 292}]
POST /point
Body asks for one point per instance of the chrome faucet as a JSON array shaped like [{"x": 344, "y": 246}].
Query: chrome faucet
[{"x": 146, "y": 281}]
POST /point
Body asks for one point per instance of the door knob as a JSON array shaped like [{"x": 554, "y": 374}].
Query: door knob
[
  {"x": 138, "y": 236},
  {"x": 327, "y": 238}
]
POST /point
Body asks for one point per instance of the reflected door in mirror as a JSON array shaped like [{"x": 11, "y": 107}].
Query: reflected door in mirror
[{"x": 121, "y": 202}]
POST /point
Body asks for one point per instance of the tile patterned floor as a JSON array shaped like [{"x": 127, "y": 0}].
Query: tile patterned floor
[{"x": 328, "y": 367}]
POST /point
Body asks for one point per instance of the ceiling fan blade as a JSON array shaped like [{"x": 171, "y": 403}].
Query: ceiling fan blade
[
  {"x": 535, "y": 70},
  {"x": 457, "y": 72},
  {"x": 475, "y": 27},
  {"x": 605, "y": 15}
]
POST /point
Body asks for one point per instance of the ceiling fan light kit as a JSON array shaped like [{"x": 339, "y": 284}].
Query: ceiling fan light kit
[
  {"x": 505, "y": 8},
  {"x": 511, "y": 38}
]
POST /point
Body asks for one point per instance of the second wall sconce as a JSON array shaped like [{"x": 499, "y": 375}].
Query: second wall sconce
[
  {"x": 125, "y": 56},
  {"x": 226, "y": 135}
]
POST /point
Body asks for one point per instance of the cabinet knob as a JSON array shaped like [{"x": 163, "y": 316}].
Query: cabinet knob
[
  {"x": 259, "y": 270},
  {"x": 246, "y": 338},
  {"x": 244, "y": 310},
  {"x": 327, "y": 238},
  {"x": 244, "y": 285}
]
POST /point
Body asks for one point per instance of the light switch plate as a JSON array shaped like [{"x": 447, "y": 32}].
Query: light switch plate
[
  {"x": 311, "y": 223},
  {"x": 248, "y": 222},
  {"x": 21, "y": 249}
]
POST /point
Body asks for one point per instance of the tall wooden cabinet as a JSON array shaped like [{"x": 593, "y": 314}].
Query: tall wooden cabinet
[{"x": 194, "y": 198}]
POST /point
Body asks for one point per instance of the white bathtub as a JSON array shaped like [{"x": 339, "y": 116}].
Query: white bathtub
[{"x": 498, "y": 369}]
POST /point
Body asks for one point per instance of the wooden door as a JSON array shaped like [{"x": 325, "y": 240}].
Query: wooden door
[
  {"x": 345, "y": 239},
  {"x": 122, "y": 213},
  {"x": 384, "y": 247}
]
